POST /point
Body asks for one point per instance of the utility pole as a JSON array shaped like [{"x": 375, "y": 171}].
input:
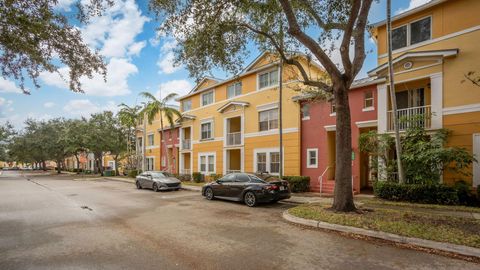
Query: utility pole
[
  {"x": 280, "y": 106},
  {"x": 393, "y": 98}
]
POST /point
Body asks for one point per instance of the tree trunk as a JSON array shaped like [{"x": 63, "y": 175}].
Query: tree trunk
[
  {"x": 343, "y": 194},
  {"x": 44, "y": 165},
  {"x": 59, "y": 164},
  {"x": 78, "y": 163},
  {"x": 115, "y": 159}
]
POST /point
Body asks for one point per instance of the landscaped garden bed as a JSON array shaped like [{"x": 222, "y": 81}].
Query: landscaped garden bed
[{"x": 419, "y": 224}]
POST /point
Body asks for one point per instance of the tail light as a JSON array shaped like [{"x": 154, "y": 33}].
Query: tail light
[{"x": 270, "y": 187}]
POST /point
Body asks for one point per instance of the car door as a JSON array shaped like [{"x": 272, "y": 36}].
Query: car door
[
  {"x": 236, "y": 187},
  {"x": 221, "y": 189},
  {"x": 141, "y": 179}
]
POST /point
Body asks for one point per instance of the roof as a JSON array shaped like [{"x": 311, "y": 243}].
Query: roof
[
  {"x": 217, "y": 80},
  {"x": 186, "y": 116},
  {"x": 407, "y": 13},
  {"x": 226, "y": 105},
  {"x": 437, "y": 53}
]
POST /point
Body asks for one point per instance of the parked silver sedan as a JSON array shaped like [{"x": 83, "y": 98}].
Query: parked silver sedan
[{"x": 157, "y": 180}]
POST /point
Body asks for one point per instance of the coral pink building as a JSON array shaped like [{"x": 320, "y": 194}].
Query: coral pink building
[
  {"x": 171, "y": 144},
  {"x": 318, "y": 137}
]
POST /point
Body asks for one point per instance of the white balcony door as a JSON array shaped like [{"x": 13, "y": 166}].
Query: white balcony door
[{"x": 476, "y": 165}]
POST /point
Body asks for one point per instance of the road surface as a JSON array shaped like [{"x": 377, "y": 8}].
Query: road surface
[{"x": 54, "y": 222}]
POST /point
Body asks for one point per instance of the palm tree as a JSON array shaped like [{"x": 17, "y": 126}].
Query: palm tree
[
  {"x": 129, "y": 118},
  {"x": 159, "y": 106}
]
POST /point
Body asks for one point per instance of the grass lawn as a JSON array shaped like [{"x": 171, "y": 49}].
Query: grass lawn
[
  {"x": 442, "y": 228},
  {"x": 372, "y": 202}
]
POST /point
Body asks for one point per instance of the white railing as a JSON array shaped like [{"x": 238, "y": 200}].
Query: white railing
[
  {"x": 233, "y": 171},
  {"x": 186, "y": 144},
  {"x": 234, "y": 138},
  {"x": 410, "y": 117},
  {"x": 186, "y": 171},
  {"x": 320, "y": 179}
]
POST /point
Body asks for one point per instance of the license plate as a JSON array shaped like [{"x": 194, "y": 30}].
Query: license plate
[{"x": 282, "y": 188}]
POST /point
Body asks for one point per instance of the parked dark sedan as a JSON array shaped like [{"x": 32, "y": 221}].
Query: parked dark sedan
[
  {"x": 157, "y": 180},
  {"x": 247, "y": 188}
]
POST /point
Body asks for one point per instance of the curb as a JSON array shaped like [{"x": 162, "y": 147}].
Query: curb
[{"x": 453, "y": 248}]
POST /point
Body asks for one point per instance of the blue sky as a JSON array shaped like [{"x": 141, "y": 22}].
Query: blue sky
[{"x": 137, "y": 59}]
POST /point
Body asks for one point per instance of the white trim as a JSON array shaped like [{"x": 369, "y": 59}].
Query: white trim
[
  {"x": 267, "y": 151},
  {"x": 312, "y": 166},
  {"x": 436, "y": 100},
  {"x": 270, "y": 132},
  {"x": 225, "y": 131},
  {"x": 217, "y": 139},
  {"x": 227, "y": 104},
  {"x": 330, "y": 127},
  {"x": 368, "y": 109},
  {"x": 462, "y": 109},
  {"x": 207, "y": 154},
  {"x": 306, "y": 118},
  {"x": 226, "y": 159},
  {"x": 408, "y": 12},
  {"x": 333, "y": 114},
  {"x": 364, "y": 124},
  {"x": 438, "y": 63},
  {"x": 146, "y": 165},
  {"x": 267, "y": 106},
  {"x": 152, "y": 147},
  {"x": 428, "y": 42},
  {"x": 476, "y": 165},
  {"x": 206, "y": 93},
  {"x": 268, "y": 71}
]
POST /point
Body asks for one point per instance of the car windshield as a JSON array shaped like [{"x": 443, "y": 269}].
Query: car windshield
[{"x": 160, "y": 174}]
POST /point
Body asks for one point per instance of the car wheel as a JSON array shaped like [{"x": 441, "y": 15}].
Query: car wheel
[
  {"x": 138, "y": 185},
  {"x": 209, "y": 194},
  {"x": 250, "y": 199},
  {"x": 155, "y": 187}
]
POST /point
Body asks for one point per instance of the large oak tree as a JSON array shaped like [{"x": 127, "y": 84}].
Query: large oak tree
[{"x": 217, "y": 34}]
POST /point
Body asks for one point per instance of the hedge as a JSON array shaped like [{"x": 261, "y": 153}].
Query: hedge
[
  {"x": 198, "y": 177},
  {"x": 298, "y": 183},
  {"x": 133, "y": 173},
  {"x": 416, "y": 193}
]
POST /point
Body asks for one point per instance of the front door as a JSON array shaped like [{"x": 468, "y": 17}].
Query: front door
[{"x": 476, "y": 165}]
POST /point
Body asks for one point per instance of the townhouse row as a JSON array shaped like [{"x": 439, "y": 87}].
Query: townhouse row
[{"x": 233, "y": 125}]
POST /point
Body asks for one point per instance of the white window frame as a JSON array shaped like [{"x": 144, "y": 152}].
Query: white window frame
[
  {"x": 332, "y": 106},
  {"x": 409, "y": 33},
  {"x": 206, "y": 93},
  {"x": 206, "y": 155},
  {"x": 234, "y": 89},
  {"x": 187, "y": 101},
  {"x": 301, "y": 111},
  {"x": 369, "y": 108},
  {"x": 267, "y": 151},
  {"x": 309, "y": 165},
  {"x": 152, "y": 158},
  {"x": 153, "y": 139},
  {"x": 268, "y": 71},
  {"x": 111, "y": 163},
  {"x": 212, "y": 129},
  {"x": 268, "y": 121}
]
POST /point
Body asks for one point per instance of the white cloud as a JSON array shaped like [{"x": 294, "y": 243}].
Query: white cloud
[
  {"x": 136, "y": 47},
  {"x": 49, "y": 104},
  {"x": 64, "y": 5},
  {"x": 8, "y": 86},
  {"x": 180, "y": 87},
  {"x": 165, "y": 60},
  {"x": 5, "y": 106},
  {"x": 119, "y": 69},
  {"x": 413, "y": 4},
  {"x": 85, "y": 107}
]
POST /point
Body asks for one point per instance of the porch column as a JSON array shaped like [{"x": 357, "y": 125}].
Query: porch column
[
  {"x": 382, "y": 105},
  {"x": 436, "y": 82}
]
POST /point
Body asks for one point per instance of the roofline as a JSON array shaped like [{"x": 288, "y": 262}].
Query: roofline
[
  {"x": 443, "y": 53},
  {"x": 241, "y": 103},
  {"x": 409, "y": 12}
]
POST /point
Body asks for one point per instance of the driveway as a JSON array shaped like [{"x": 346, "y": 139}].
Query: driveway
[{"x": 53, "y": 222}]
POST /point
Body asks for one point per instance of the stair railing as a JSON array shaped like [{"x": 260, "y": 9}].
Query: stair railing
[{"x": 320, "y": 179}]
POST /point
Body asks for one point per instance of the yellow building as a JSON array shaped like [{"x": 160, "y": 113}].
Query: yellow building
[
  {"x": 232, "y": 125},
  {"x": 434, "y": 46}
]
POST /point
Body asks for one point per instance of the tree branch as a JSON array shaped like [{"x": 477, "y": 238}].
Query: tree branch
[
  {"x": 326, "y": 26},
  {"x": 347, "y": 37},
  {"x": 359, "y": 37}
]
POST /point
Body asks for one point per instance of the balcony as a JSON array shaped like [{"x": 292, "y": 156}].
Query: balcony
[
  {"x": 185, "y": 171},
  {"x": 234, "y": 138},
  {"x": 186, "y": 144},
  {"x": 411, "y": 117}
]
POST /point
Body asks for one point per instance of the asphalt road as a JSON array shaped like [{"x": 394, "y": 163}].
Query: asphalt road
[{"x": 56, "y": 223}]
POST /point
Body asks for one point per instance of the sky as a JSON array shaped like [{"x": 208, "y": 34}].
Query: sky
[{"x": 138, "y": 60}]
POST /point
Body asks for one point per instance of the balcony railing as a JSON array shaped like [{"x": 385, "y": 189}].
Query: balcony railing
[
  {"x": 234, "y": 138},
  {"x": 233, "y": 171},
  {"x": 411, "y": 117},
  {"x": 186, "y": 144},
  {"x": 185, "y": 171}
]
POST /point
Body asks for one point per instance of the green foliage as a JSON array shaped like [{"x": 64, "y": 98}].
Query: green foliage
[
  {"x": 35, "y": 36},
  {"x": 133, "y": 173},
  {"x": 198, "y": 177},
  {"x": 416, "y": 193},
  {"x": 215, "y": 177},
  {"x": 298, "y": 183},
  {"x": 184, "y": 177}
]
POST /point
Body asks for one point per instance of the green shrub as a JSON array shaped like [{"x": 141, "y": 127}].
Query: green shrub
[
  {"x": 133, "y": 173},
  {"x": 298, "y": 183},
  {"x": 416, "y": 193},
  {"x": 184, "y": 177},
  {"x": 215, "y": 177},
  {"x": 198, "y": 177}
]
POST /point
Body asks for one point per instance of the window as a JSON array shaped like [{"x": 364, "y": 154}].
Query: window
[
  {"x": 267, "y": 160},
  {"x": 164, "y": 161},
  {"x": 268, "y": 79},
  {"x": 206, "y": 129},
  {"x": 312, "y": 158},
  {"x": 207, "y": 98},
  {"x": 242, "y": 177},
  {"x": 306, "y": 111},
  {"x": 228, "y": 178},
  {"x": 368, "y": 100},
  {"x": 412, "y": 33},
  {"x": 268, "y": 120},
  {"x": 150, "y": 163},
  {"x": 150, "y": 139},
  {"x": 261, "y": 162},
  {"x": 234, "y": 90},
  {"x": 275, "y": 162},
  {"x": 333, "y": 109},
  {"x": 207, "y": 163},
  {"x": 187, "y": 105}
]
